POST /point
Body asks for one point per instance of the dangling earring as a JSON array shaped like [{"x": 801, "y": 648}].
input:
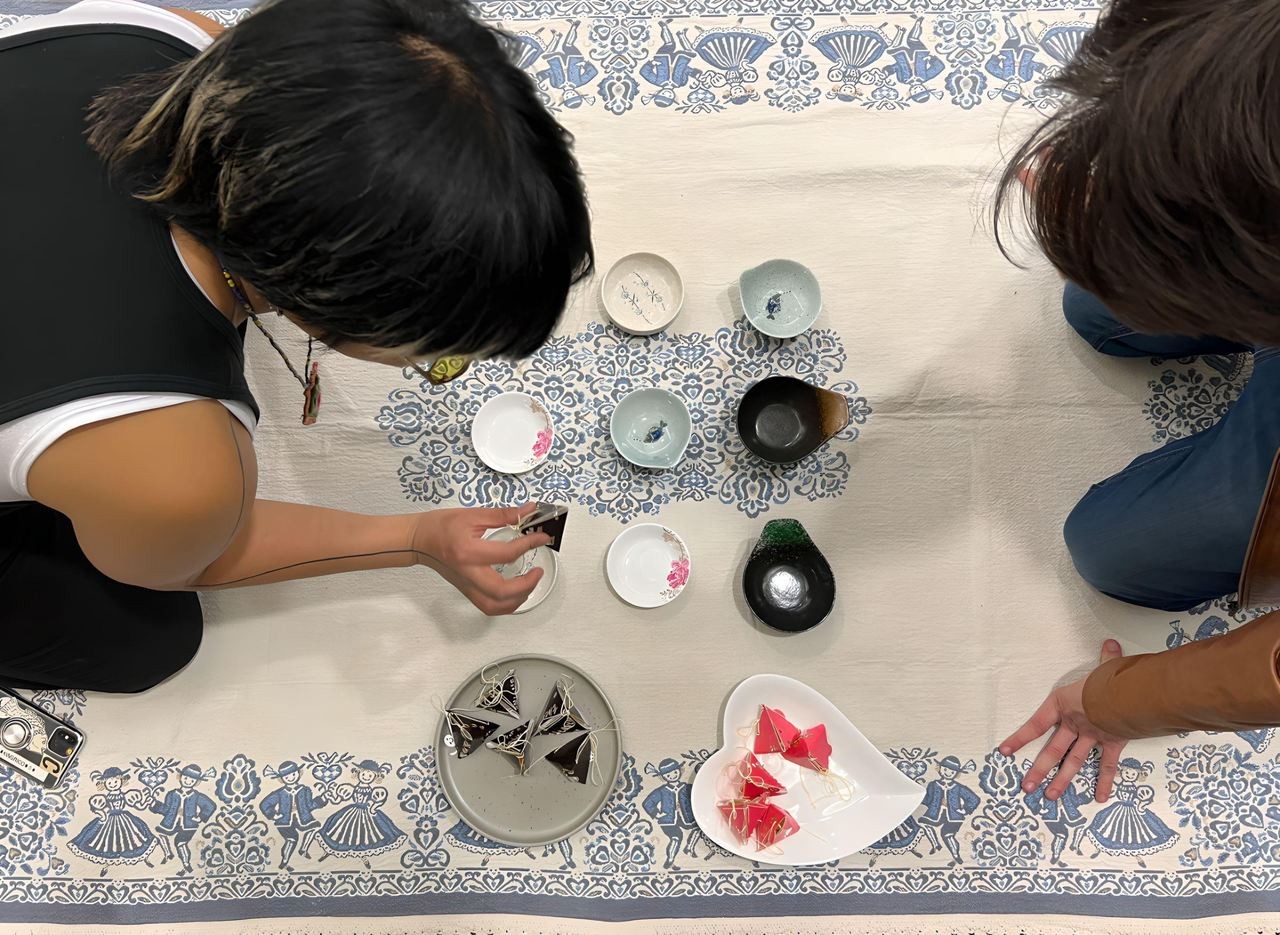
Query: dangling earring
[{"x": 311, "y": 384}]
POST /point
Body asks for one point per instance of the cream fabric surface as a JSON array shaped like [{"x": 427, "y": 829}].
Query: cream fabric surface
[{"x": 984, "y": 420}]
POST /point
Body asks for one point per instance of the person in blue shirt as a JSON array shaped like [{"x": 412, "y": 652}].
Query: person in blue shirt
[
  {"x": 1061, "y": 816},
  {"x": 183, "y": 811},
  {"x": 1152, "y": 188},
  {"x": 292, "y": 809},
  {"x": 947, "y": 803},
  {"x": 671, "y": 807}
]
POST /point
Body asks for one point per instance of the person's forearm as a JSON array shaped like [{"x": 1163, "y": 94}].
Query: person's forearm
[
  {"x": 1226, "y": 683},
  {"x": 287, "y": 541},
  {"x": 210, "y": 26}
]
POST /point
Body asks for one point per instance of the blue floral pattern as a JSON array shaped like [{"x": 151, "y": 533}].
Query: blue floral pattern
[
  {"x": 581, "y": 378},
  {"x": 1223, "y": 796},
  {"x": 31, "y": 823},
  {"x": 1229, "y": 798},
  {"x": 1194, "y": 396},
  {"x": 237, "y": 837},
  {"x": 424, "y": 802},
  {"x": 1004, "y": 827},
  {"x": 782, "y": 56},
  {"x": 625, "y": 56}
]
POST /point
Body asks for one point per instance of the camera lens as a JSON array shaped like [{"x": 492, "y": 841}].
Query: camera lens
[{"x": 62, "y": 742}]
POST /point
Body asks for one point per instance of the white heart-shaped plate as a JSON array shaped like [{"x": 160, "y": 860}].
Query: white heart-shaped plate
[{"x": 875, "y": 800}]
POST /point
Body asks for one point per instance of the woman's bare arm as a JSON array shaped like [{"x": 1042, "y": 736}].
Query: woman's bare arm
[
  {"x": 212, "y": 27},
  {"x": 166, "y": 500},
  {"x": 286, "y": 541}
]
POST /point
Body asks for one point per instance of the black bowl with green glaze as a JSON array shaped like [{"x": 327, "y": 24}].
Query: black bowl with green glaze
[
  {"x": 788, "y": 582},
  {"x": 783, "y": 420}
]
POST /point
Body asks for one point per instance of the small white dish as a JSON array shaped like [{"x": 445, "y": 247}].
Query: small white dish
[
  {"x": 642, "y": 293},
  {"x": 512, "y": 433},
  {"x": 648, "y": 565},
  {"x": 831, "y": 826},
  {"x": 541, "y": 557},
  {"x": 651, "y": 428},
  {"x": 521, "y": 566},
  {"x": 545, "y": 559},
  {"x": 781, "y": 298}
]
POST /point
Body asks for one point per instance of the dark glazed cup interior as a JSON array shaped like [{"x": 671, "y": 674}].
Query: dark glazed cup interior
[
  {"x": 787, "y": 582},
  {"x": 782, "y": 419}
]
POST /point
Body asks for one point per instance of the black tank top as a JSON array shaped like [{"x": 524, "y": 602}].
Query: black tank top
[{"x": 93, "y": 296}]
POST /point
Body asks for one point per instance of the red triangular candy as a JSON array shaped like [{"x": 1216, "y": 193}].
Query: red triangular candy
[
  {"x": 811, "y": 749},
  {"x": 774, "y": 733},
  {"x": 757, "y": 782},
  {"x": 743, "y": 816},
  {"x": 774, "y": 825}
]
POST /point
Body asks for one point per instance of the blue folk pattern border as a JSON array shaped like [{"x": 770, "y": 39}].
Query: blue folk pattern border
[
  {"x": 1202, "y": 822},
  {"x": 698, "y": 60},
  {"x": 515, "y": 10},
  {"x": 709, "y": 58},
  {"x": 790, "y": 56},
  {"x": 525, "y": 10}
]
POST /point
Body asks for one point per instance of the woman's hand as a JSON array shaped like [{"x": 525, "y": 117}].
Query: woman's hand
[
  {"x": 1072, "y": 741},
  {"x": 449, "y": 542}
]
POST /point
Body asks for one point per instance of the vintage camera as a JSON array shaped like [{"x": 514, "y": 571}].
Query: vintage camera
[{"x": 34, "y": 742}]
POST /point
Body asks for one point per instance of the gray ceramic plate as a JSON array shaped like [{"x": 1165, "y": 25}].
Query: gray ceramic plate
[{"x": 542, "y": 806}]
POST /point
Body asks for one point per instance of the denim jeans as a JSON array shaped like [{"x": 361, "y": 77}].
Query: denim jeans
[{"x": 1170, "y": 531}]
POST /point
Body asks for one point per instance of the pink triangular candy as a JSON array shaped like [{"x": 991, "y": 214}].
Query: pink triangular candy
[
  {"x": 743, "y": 816},
  {"x": 757, "y": 782},
  {"x": 810, "y": 749},
  {"x": 774, "y": 825},
  {"x": 774, "y": 733}
]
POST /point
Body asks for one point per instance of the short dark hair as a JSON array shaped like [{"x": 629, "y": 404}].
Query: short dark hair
[
  {"x": 379, "y": 168},
  {"x": 1157, "y": 185}
]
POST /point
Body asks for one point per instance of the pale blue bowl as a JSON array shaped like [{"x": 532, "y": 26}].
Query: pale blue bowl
[
  {"x": 780, "y": 298},
  {"x": 651, "y": 428}
]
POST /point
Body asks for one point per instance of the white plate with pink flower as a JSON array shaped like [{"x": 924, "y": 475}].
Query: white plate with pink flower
[
  {"x": 648, "y": 565},
  {"x": 512, "y": 433}
]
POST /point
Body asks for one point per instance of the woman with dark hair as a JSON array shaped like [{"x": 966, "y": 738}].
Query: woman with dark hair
[
  {"x": 376, "y": 173},
  {"x": 1155, "y": 191}
]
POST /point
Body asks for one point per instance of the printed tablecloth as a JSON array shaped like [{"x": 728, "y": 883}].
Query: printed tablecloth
[{"x": 860, "y": 137}]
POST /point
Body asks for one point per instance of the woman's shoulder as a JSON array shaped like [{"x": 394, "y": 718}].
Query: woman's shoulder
[{"x": 154, "y": 496}]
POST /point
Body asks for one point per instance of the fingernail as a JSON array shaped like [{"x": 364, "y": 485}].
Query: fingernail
[
  {"x": 1111, "y": 646},
  {"x": 1004, "y": 751},
  {"x": 1028, "y": 786},
  {"x": 1051, "y": 795}
]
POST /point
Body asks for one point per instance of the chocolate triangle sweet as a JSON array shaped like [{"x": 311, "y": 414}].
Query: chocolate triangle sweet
[
  {"x": 575, "y": 757},
  {"x": 559, "y": 715},
  {"x": 501, "y": 695},
  {"x": 468, "y": 732},
  {"x": 549, "y": 519},
  {"x": 514, "y": 743}
]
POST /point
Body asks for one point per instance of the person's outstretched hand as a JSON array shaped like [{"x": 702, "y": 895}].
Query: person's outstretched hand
[
  {"x": 1073, "y": 739},
  {"x": 449, "y": 542}
]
